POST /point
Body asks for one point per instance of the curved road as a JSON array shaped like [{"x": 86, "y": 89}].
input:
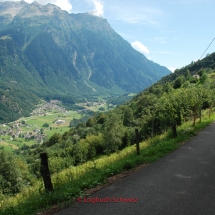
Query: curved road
[{"x": 182, "y": 183}]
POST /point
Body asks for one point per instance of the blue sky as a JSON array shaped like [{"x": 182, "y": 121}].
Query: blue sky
[
  {"x": 172, "y": 32},
  {"x": 169, "y": 32}
]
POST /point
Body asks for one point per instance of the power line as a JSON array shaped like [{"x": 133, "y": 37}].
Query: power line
[{"x": 207, "y": 47}]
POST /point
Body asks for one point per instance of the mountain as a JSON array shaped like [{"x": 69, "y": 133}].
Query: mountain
[{"x": 50, "y": 53}]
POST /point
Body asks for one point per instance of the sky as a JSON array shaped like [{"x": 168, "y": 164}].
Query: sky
[{"x": 172, "y": 33}]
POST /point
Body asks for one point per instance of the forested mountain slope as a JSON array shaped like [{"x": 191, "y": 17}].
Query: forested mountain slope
[
  {"x": 49, "y": 53},
  {"x": 194, "y": 67}
]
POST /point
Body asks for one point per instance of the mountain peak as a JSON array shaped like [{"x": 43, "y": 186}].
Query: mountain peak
[
  {"x": 26, "y": 10},
  {"x": 36, "y": 9},
  {"x": 11, "y": 8}
]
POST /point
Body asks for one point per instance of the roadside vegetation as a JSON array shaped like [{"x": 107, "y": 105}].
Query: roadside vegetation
[
  {"x": 70, "y": 183},
  {"x": 166, "y": 114}
]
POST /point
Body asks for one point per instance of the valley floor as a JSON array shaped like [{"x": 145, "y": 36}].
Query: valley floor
[{"x": 32, "y": 130}]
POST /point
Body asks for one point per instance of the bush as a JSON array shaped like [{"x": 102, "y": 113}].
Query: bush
[
  {"x": 102, "y": 109},
  {"x": 46, "y": 125}
]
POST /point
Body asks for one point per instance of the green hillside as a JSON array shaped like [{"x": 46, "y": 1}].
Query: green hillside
[
  {"x": 69, "y": 57},
  {"x": 207, "y": 64}
]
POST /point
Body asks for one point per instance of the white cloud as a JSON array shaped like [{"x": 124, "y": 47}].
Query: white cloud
[
  {"x": 63, "y": 4},
  {"x": 140, "y": 47},
  {"x": 99, "y": 8}
]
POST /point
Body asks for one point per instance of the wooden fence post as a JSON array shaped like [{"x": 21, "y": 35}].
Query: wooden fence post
[
  {"x": 137, "y": 141},
  {"x": 44, "y": 170}
]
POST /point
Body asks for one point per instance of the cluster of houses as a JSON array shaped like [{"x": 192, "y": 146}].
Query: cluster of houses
[
  {"x": 23, "y": 130},
  {"x": 89, "y": 104},
  {"x": 15, "y": 130},
  {"x": 52, "y": 106}
]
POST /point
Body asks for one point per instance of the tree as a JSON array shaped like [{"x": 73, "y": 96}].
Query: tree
[
  {"x": 128, "y": 116},
  {"x": 187, "y": 74},
  {"x": 10, "y": 175},
  {"x": 101, "y": 118},
  {"x": 46, "y": 125},
  {"x": 170, "y": 110},
  {"x": 203, "y": 78},
  {"x": 186, "y": 84},
  {"x": 55, "y": 138},
  {"x": 102, "y": 109},
  {"x": 200, "y": 72},
  {"x": 179, "y": 81},
  {"x": 90, "y": 122},
  {"x": 23, "y": 122},
  {"x": 195, "y": 99},
  {"x": 167, "y": 87},
  {"x": 95, "y": 142},
  {"x": 113, "y": 133},
  {"x": 210, "y": 100},
  {"x": 80, "y": 151}
]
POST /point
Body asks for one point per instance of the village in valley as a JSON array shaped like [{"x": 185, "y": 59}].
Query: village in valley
[{"x": 46, "y": 119}]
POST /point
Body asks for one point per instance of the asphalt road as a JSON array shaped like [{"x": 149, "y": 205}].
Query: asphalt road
[{"x": 182, "y": 183}]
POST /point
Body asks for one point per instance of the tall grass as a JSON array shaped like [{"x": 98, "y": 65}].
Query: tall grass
[{"x": 70, "y": 183}]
